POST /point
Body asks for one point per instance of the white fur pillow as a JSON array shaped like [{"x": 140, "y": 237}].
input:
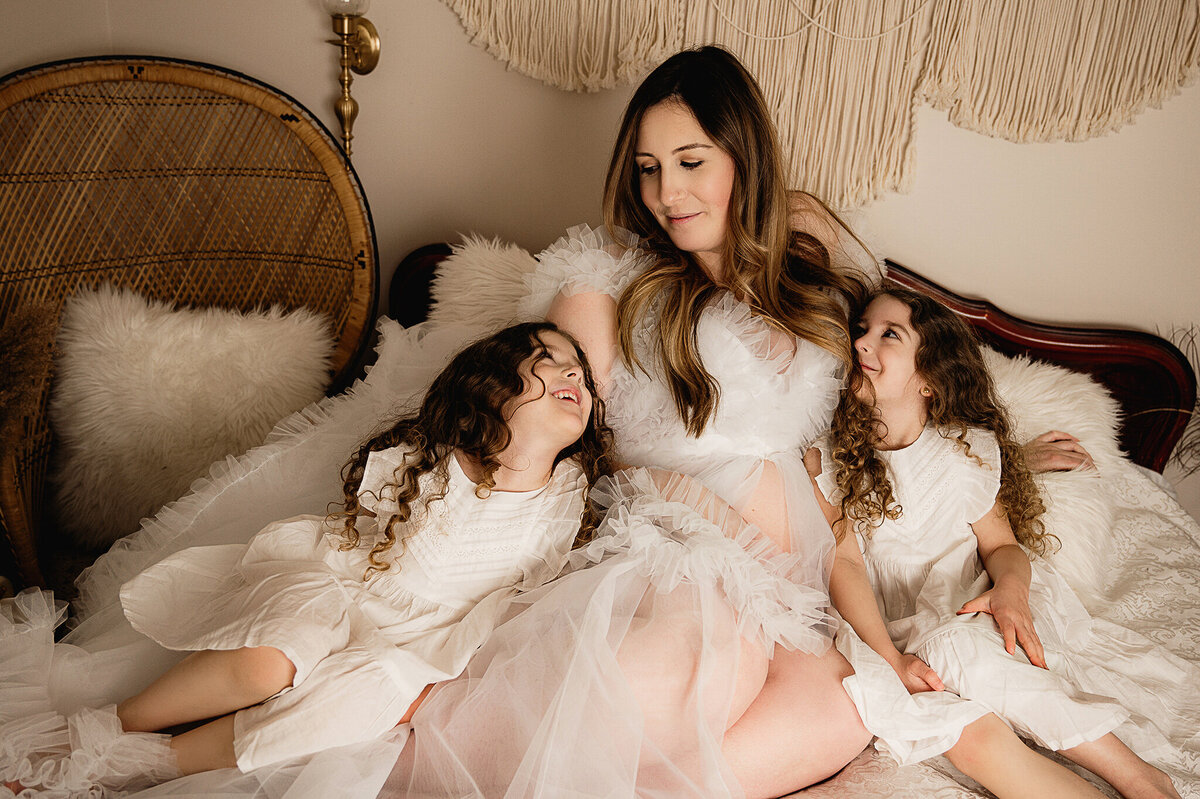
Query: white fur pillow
[
  {"x": 480, "y": 284},
  {"x": 1042, "y": 397},
  {"x": 146, "y": 398}
]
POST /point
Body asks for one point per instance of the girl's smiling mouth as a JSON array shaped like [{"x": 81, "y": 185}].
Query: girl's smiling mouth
[{"x": 569, "y": 394}]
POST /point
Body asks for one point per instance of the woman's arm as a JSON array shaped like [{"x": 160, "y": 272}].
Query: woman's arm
[
  {"x": 1007, "y": 601},
  {"x": 1055, "y": 451},
  {"x": 591, "y": 318},
  {"x": 851, "y": 592}
]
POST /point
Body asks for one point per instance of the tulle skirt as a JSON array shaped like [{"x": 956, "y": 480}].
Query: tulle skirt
[{"x": 621, "y": 677}]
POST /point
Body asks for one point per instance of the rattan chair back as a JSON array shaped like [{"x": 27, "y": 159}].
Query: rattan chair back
[{"x": 186, "y": 183}]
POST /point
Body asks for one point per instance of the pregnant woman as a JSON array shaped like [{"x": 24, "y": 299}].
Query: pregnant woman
[{"x": 688, "y": 651}]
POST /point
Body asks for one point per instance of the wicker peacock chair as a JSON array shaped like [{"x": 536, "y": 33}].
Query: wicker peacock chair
[{"x": 185, "y": 182}]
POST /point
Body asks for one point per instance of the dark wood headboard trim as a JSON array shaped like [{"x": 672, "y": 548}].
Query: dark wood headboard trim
[{"x": 1148, "y": 376}]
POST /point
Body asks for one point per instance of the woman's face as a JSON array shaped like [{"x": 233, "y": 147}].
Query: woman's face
[{"x": 686, "y": 181}]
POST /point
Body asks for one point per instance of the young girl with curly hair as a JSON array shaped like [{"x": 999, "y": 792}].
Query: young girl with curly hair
[
  {"x": 935, "y": 512},
  {"x": 324, "y": 631}
]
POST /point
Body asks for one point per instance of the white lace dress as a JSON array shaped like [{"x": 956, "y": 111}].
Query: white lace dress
[
  {"x": 363, "y": 651},
  {"x": 925, "y": 565},
  {"x": 777, "y": 393}
]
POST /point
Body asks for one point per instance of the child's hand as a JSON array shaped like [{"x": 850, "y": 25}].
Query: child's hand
[
  {"x": 1010, "y": 611},
  {"x": 916, "y": 674}
]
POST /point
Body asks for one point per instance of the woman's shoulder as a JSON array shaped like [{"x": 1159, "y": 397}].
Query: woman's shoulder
[
  {"x": 845, "y": 245},
  {"x": 584, "y": 260}
]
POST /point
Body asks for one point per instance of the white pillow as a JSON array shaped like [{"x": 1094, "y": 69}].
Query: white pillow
[
  {"x": 1079, "y": 511},
  {"x": 480, "y": 284},
  {"x": 145, "y": 398}
]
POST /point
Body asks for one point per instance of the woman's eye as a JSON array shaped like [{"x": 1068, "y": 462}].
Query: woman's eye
[
  {"x": 690, "y": 164},
  {"x": 647, "y": 169},
  {"x": 889, "y": 333}
]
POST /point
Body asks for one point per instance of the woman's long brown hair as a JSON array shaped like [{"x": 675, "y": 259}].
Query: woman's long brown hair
[
  {"x": 963, "y": 396},
  {"x": 784, "y": 276},
  {"x": 464, "y": 410}
]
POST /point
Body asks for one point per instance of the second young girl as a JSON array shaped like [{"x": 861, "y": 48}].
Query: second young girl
[
  {"x": 935, "y": 511},
  {"x": 322, "y": 632}
]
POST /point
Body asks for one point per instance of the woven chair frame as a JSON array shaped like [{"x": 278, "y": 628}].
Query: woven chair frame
[{"x": 186, "y": 183}]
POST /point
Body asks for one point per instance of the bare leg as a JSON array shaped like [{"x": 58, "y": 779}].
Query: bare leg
[
  {"x": 800, "y": 729},
  {"x": 208, "y": 684},
  {"x": 992, "y": 755},
  {"x": 205, "y": 748},
  {"x": 1110, "y": 758}
]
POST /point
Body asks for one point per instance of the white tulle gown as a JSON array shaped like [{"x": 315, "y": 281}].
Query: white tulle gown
[{"x": 617, "y": 679}]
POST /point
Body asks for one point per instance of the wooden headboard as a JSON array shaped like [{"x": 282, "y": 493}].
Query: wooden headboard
[{"x": 1146, "y": 374}]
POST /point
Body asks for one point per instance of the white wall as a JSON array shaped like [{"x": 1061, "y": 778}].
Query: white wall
[{"x": 448, "y": 140}]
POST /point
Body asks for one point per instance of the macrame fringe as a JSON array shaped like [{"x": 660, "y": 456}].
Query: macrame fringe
[
  {"x": 578, "y": 45},
  {"x": 1057, "y": 70},
  {"x": 843, "y": 77}
]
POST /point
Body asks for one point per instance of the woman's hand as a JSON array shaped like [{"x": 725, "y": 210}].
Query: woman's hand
[
  {"x": 1056, "y": 451},
  {"x": 916, "y": 674},
  {"x": 1009, "y": 608}
]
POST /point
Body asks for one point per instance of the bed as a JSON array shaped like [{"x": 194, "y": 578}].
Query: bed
[
  {"x": 1143, "y": 571},
  {"x": 1128, "y": 548}
]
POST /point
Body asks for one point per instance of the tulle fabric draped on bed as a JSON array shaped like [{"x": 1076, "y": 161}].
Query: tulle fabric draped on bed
[{"x": 634, "y": 651}]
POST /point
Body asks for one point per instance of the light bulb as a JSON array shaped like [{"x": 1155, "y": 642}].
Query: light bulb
[{"x": 346, "y": 8}]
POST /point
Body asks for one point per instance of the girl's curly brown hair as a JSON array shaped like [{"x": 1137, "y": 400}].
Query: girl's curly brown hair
[
  {"x": 464, "y": 410},
  {"x": 963, "y": 396}
]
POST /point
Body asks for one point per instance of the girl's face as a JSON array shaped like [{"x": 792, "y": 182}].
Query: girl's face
[
  {"x": 555, "y": 406},
  {"x": 686, "y": 181},
  {"x": 887, "y": 352}
]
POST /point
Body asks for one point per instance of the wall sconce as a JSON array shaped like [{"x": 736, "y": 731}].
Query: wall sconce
[{"x": 359, "y": 44}]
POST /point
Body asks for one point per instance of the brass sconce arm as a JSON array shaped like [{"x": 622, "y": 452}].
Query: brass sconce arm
[{"x": 358, "y": 42}]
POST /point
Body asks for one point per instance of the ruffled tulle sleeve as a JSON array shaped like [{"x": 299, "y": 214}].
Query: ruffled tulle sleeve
[
  {"x": 981, "y": 478},
  {"x": 584, "y": 260},
  {"x": 680, "y": 531},
  {"x": 377, "y": 491},
  {"x": 827, "y": 479}
]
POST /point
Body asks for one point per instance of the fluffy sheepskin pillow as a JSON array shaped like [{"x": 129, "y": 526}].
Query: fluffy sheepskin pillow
[
  {"x": 1042, "y": 397},
  {"x": 480, "y": 284},
  {"x": 147, "y": 397}
]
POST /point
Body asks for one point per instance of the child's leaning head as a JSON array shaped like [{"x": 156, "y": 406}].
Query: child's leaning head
[
  {"x": 934, "y": 354},
  {"x": 472, "y": 407},
  {"x": 473, "y": 404}
]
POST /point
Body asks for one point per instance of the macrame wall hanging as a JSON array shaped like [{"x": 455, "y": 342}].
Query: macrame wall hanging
[{"x": 844, "y": 77}]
